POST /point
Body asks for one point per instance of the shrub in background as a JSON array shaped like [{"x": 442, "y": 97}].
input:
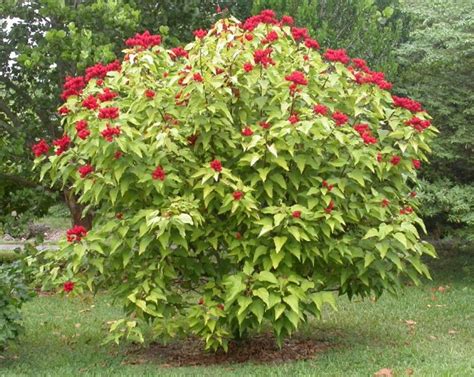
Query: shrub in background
[
  {"x": 237, "y": 180},
  {"x": 14, "y": 291}
]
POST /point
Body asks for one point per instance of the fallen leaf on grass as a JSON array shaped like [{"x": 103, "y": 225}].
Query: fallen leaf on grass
[
  {"x": 133, "y": 362},
  {"x": 432, "y": 337},
  {"x": 77, "y": 325},
  {"x": 384, "y": 372},
  {"x": 452, "y": 332},
  {"x": 409, "y": 371}
]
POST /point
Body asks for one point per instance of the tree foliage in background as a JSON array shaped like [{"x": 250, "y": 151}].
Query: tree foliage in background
[{"x": 436, "y": 67}]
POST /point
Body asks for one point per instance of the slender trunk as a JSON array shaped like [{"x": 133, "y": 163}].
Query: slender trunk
[{"x": 76, "y": 210}]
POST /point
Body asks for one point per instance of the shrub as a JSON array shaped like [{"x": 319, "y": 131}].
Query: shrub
[
  {"x": 14, "y": 292},
  {"x": 238, "y": 181}
]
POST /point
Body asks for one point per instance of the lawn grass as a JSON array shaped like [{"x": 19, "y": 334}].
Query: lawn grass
[{"x": 63, "y": 336}]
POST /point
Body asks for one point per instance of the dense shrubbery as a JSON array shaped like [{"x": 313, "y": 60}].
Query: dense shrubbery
[
  {"x": 14, "y": 291},
  {"x": 236, "y": 181}
]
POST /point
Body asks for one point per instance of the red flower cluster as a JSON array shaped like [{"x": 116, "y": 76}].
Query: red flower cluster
[
  {"x": 293, "y": 119},
  {"x": 99, "y": 71},
  {"x": 144, "y": 40},
  {"x": 81, "y": 128},
  {"x": 76, "y": 233},
  {"x": 296, "y": 214},
  {"x": 238, "y": 195},
  {"x": 327, "y": 185},
  {"x": 107, "y": 95},
  {"x": 63, "y": 110},
  {"x": 336, "y": 56},
  {"x": 418, "y": 124},
  {"x": 320, "y": 109},
  {"x": 83, "y": 134},
  {"x": 109, "y": 113},
  {"x": 117, "y": 155},
  {"x": 68, "y": 286},
  {"x": 361, "y": 64},
  {"x": 216, "y": 165},
  {"x": 406, "y": 210},
  {"x": 62, "y": 144},
  {"x": 40, "y": 148},
  {"x": 299, "y": 33},
  {"x": 311, "y": 43},
  {"x": 264, "y": 125},
  {"x": 159, "y": 174},
  {"x": 90, "y": 103},
  {"x": 200, "y": 33},
  {"x": 385, "y": 202},
  {"x": 247, "y": 131},
  {"x": 365, "y": 133},
  {"x": 395, "y": 160},
  {"x": 416, "y": 164},
  {"x": 340, "y": 118},
  {"x": 109, "y": 133},
  {"x": 272, "y": 36},
  {"x": 297, "y": 78},
  {"x": 72, "y": 87},
  {"x": 330, "y": 207},
  {"x": 178, "y": 52},
  {"x": 366, "y": 76},
  {"x": 197, "y": 77},
  {"x": 249, "y": 37},
  {"x": 85, "y": 170},
  {"x": 407, "y": 103},
  {"x": 263, "y": 57},
  {"x": 266, "y": 16},
  {"x": 149, "y": 93},
  {"x": 287, "y": 20},
  {"x": 379, "y": 157},
  {"x": 248, "y": 67}
]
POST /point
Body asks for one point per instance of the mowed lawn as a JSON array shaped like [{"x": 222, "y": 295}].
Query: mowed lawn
[{"x": 426, "y": 331}]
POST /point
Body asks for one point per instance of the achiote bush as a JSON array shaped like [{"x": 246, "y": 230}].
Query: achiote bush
[{"x": 238, "y": 180}]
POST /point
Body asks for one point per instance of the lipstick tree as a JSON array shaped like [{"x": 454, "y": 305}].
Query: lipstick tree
[{"x": 238, "y": 181}]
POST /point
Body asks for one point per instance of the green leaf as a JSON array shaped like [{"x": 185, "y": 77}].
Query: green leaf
[
  {"x": 185, "y": 218},
  {"x": 293, "y": 303},
  {"x": 401, "y": 238},
  {"x": 268, "y": 277},
  {"x": 258, "y": 309},
  {"x": 262, "y": 293},
  {"x": 279, "y": 242},
  {"x": 372, "y": 232},
  {"x": 276, "y": 259}
]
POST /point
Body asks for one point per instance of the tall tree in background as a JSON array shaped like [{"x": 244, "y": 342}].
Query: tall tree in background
[{"x": 436, "y": 67}]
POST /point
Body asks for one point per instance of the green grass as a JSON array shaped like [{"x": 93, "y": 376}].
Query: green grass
[{"x": 366, "y": 336}]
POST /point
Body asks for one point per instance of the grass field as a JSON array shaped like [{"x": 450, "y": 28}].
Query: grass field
[{"x": 63, "y": 336}]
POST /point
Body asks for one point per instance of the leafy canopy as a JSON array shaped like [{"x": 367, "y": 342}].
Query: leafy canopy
[{"x": 238, "y": 180}]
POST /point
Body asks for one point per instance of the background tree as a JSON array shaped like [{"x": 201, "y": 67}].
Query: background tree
[{"x": 436, "y": 67}]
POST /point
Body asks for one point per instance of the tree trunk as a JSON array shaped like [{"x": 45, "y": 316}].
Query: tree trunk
[{"x": 76, "y": 210}]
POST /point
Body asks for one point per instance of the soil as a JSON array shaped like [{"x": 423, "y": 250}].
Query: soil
[{"x": 259, "y": 349}]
